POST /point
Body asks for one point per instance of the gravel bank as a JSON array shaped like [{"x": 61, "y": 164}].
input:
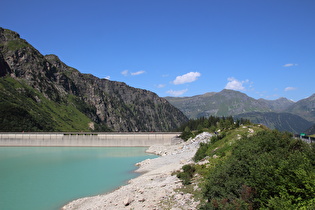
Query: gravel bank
[{"x": 154, "y": 189}]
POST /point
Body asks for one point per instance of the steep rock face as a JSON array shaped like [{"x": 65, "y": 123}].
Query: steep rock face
[{"x": 114, "y": 104}]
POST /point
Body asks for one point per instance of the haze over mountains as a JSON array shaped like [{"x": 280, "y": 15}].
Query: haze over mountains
[
  {"x": 281, "y": 114},
  {"x": 41, "y": 93}
]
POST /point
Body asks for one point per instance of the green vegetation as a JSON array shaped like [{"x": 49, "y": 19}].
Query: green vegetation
[
  {"x": 252, "y": 167},
  {"x": 187, "y": 174},
  {"x": 212, "y": 124},
  {"x": 268, "y": 170},
  {"x": 14, "y": 45},
  {"x": 23, "y": 108}
]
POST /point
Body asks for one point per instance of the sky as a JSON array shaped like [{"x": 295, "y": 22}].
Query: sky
[{"x": 263, "y": 48}]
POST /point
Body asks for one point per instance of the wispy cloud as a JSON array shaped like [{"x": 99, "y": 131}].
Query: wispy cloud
[
  {"x": 290, "y": 64},
  {"x": 160, "y": 85},
  {"x": 177, "y": 92},
  {"x": 234, "y": 84},
  {"x": 137, "y": 73},
  {"x": 107, "y": 77},
  {"x": 126, "y": 73},
  {"x": 290, "y": 88},
  {"x": 186, "y": 78}
]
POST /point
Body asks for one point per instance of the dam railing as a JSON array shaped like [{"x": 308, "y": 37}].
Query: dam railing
[
  {"x": 108, "y": 139},
  {"x": 307, "y": 139}
]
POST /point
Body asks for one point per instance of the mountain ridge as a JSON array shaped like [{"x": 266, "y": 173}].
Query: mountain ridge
[
  {"x": 50, "y": 83},
  {"x": 282, "y": 113},
  {"x": 223, "y": 103}
]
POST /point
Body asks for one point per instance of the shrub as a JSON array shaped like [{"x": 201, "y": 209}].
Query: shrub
[
  {"x": 268, "y": 170},
  {"x": 201, "y": 152},
  {"x": 187, "y": 174}
]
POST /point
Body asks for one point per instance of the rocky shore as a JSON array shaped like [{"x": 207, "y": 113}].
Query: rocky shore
[{"x": 156, "y": 187}]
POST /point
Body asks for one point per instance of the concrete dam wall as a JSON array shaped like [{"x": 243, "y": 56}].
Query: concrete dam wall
[{"x": 88, "y": 139}]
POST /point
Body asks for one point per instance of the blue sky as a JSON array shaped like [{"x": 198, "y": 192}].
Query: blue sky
[{"x": 264, "y": 48}]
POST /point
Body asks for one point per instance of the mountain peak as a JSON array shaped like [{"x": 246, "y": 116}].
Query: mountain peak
[
  {"x": 312, "y": 97},
  {"x": 224, "y": 103},
  {"x": 52, "y": 57},
  {"x": 52, "y": 96},
  {"x": 8, "y": 34},
  {"x": 233, "y": 93}
]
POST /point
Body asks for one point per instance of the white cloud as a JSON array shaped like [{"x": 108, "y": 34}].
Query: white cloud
[
  {"x": 235, "y": 84},
  {"x": 137, "y": 73},
  {"x": 107, "y": 77},
  {"x": 160, "y": 86},
  {"x": 290, "y": 64},
  {"x": 125, "y": 72},
  {"x": 289, "y": 88},
  {"x": 176, "y": 92},
  {"x": 186, "y": 78}
]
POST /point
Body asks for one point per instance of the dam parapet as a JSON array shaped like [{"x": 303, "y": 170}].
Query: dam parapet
[{"x": 80, "y": 139}]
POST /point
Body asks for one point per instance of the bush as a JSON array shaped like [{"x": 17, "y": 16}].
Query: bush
[
  {"x": 201, "y": 152},
  {"x": 187, "y": 174},
  {"x": 268, "y": 170}
]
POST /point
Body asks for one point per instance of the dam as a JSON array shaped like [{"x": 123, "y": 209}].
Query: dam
[{"x": 81, "y": 139}]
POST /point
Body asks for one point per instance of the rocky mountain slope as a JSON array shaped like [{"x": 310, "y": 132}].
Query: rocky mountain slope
[
  {"x": 278, "y": 105},
  {"x": 281, "y": 114},
  {"x": 280, "y": 121},
  {"x": 41, "y": 93},
  {"x": 304, "y": 108},
  {"x": 311, "y": 131},
  {"x": 224, "y": 103}
]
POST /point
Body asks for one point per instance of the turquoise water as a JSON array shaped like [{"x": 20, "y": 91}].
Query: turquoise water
[{"x": 46, "y": 178}]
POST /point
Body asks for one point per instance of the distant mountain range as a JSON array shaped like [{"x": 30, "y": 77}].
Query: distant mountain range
[
  {"x": 281, "y": 114},
  {"x": 41, "y": 93}
]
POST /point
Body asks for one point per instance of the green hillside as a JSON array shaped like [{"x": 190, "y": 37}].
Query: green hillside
[
  {"x": 23, "y": 108},
  {"x": 252, "y": 167},
  {"x": 224, "y": 103}
]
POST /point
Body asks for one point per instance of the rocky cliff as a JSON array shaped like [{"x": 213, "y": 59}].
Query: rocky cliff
[{"x": 63, "y": 95}]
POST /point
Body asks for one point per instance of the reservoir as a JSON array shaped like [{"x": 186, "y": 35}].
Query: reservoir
[{"x": 46, "y": 178}]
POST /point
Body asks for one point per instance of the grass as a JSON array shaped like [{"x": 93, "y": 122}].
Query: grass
[
  {"x": 42, "y": 114},
  {"x": 14, "y": 45}
]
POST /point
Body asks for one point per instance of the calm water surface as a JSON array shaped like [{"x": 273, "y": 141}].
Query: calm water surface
[{"x": 45, "y": 178}]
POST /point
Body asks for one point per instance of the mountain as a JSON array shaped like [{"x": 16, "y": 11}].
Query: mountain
[
  {"x": 41, "y": 93},
  {"x": 304, "y": 108},
  {"x": 281, "y": 114},
  {"x": 280, "y": 121},
  {"x": 310, "y": 131},
  {"x": 278, "y": 105},
  {"x": 224, "y": 103}
]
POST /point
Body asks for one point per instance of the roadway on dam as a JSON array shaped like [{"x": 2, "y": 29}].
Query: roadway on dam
[{"x": 79, "y": 139}]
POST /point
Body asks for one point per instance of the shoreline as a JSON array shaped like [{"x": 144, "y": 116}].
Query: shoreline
[{"x": 155, "y": 186}]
